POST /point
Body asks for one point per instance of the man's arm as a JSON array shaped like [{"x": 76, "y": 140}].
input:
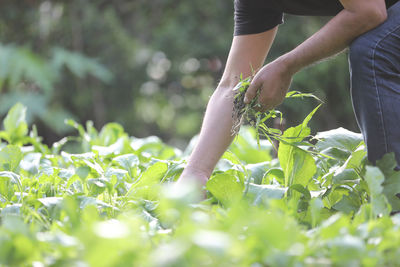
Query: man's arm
[
  {"x": 274, "y": 79},
  {"x": 247, "y": 52}
]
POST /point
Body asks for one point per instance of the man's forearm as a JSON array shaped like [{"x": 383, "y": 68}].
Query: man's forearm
[
  {"x": 334, "y": 37},
  {"x": 247, "y": 52}
]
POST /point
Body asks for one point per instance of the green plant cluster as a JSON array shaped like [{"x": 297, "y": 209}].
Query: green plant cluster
[{"x": 112, "y": 201}]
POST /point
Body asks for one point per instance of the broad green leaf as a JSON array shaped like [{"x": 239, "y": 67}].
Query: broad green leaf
[
  {"x": 15, "y": 124},
  {"x": 9, "y": 210},
  {"x": 152, "y": 175},
  {"x": 356, "y": 158},
  {"x": 346, "y": 249},
  {"x": 387, "y": 163},
  {"x": 374, "y": 178},
  {"x": 391, "y": 184},
  {"x": 10, "y": 157},
  {"x": 7, "y": 182},
  {"x": 336, "y": 153},
  {"x": 82, "y": 172},
  {"x": 96, "y": 186},
  {"x": 301, "y": 189},
  {"x": 245, "y": 147},
  {"x": 316, "y": 205},
  {"x": 391, "y": 189},
  {"x": 31, "y": 162},
  {"x": 349, "y": 203},
  {"x": 274, "y": 173},
  {"x": 298, "y": 165},
  {"x": 153, "y": 146},
  {"x": 258, "y": 171},
  {"x": 109, "y": 134},
  {"x": 115, "y": 148},
  {"x": 50, "y": 202},
  {"x": 228, "y": 155},
  {"x": 227, "y": 188},
  {"x": 260, "y": 193},
  {"x": 127, "y": 161},
  {"x": 342, "y": 176},
  {"x": 338, "y": 138},
  {"x": 91, "y": 201}
]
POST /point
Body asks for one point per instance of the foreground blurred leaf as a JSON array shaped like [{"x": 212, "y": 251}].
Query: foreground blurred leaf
[{"x": 227, "y": 188}]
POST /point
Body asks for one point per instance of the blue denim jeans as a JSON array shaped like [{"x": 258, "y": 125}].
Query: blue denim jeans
[{"x": 375, "y": 86}]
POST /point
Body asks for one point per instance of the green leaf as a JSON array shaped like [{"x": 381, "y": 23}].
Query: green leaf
[
  {"x": 336, "y": 153},
  {"x": 151, "y": 176},
  {"x": 391, "y": 189},
  {"x": 338, "y": 138},
  {"x": 127, "y": 161},
  {"x": 31, "y": 162},
  {"x": 82, "y": 172},
  {"x": 374, "y": 178},
  {"x": 296, "y": 94},
  {"x": 227, "y": 188},
  {"x": 348, "y": 204},
  {"x": 245, "y": 147},
  {"x": 109, "y": 134},
  {"x": 298, "y": 165},
  {"x": 387, "y": 163},
  {"x": 391, "y": 184},
  {"x": 344, "y": 175},
  {"x": 356, "y": 158},
  {"x": 316, "y": 205},
  {"x": 10, "y": 157},
  {"x": 51, "y": 202},
  {"x": 260, "y": 193},
  {"x": 15, "y": 124},
  {"x": 258, "y": 170},
  {"x": 96, "y": 186},
  {"x": 301, "y": 189},
  {"x": 7, "y": 182},
  {"x": 274, "y": 173}
]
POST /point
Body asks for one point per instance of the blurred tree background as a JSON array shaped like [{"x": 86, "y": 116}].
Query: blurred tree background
[{"x": 148, "y": 65}]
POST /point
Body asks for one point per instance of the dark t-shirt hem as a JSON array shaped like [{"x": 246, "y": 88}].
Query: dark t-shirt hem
[{"x": 254, "y": 30}]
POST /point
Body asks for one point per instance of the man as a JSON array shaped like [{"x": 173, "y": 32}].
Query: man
[{"x": 370, "y": 27}]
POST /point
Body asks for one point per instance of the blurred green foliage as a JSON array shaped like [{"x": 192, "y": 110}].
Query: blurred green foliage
[{"x": 149, "y": 65}]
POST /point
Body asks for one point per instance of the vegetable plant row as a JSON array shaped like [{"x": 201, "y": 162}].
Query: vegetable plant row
[{"x": 108, "y": 199}]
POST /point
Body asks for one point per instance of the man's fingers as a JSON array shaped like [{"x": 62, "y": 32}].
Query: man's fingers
[{"x": 251, "y": 91}]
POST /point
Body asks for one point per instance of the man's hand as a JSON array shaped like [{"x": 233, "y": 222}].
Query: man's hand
[{"x": 273, "y": 81}]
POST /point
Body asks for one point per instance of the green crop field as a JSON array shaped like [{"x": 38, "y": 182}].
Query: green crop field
[{"x": 108, "y": 199}]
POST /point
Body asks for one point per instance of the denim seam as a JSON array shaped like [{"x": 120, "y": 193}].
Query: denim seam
[{"x": 376, "y": 87}]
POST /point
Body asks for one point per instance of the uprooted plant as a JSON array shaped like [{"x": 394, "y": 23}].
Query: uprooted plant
[{"x": 251, "y": 112}]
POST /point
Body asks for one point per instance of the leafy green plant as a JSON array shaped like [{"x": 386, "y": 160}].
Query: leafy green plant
[
  {"x": 112, "y": 202},
  {"x": 251, "y": 113}
]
